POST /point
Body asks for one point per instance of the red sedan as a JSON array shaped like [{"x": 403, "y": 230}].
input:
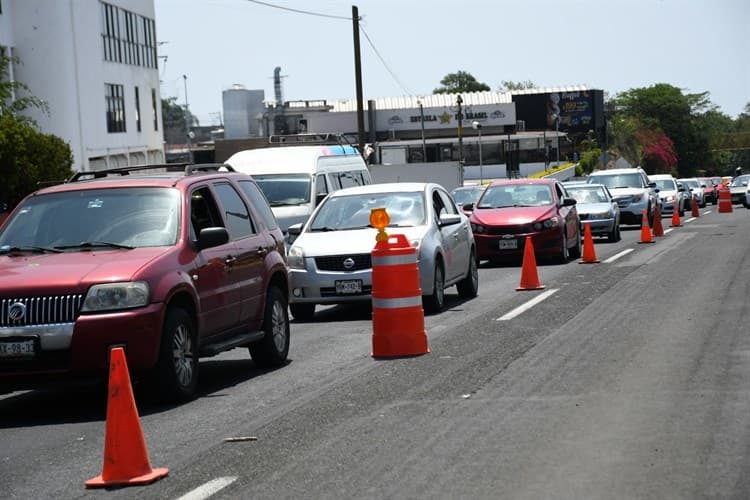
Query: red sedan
[{"x": 511, "y": 210}]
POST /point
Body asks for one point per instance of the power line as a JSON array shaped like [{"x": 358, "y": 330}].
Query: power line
[
  {"x": 298, "y": 11},
  {"x": 383, "y": 61}
]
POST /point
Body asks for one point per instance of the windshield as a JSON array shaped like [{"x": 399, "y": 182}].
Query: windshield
[
  {"x": 464, "y": 196},
  {"x": 613, "y": 181},
  {"x": 588, "y": 194},
  {"x": 516, "y": 195},
  {"x": 340, "y": 213},
  {"x": 132, "y": 217},
  {"x": 285, "y": 189},
  {"x": 740, "y": 180},
  {"x": 665, "y": 184},
  {"x": 691, "y": 183}
]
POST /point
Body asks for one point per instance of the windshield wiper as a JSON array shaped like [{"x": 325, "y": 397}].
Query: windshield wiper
[
  {"x": 95, "y": 244},
  {"x": 323, "y": 229},
  {"x": 8, "y": 249}
]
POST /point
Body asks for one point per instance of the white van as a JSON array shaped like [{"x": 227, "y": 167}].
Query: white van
[{"x": 295, "y": 179}]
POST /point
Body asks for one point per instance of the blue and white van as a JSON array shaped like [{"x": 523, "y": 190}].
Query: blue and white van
[{"x": 295, "y": 179}]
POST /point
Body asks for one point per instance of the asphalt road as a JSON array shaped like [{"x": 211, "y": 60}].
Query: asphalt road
[{"x": 631, "y": 380}]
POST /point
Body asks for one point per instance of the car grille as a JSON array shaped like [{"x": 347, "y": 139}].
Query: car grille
[
  {"x": 517, "y": 229},
  {"x": 336, "y": 262},
  {"x": 41, "y": 310}
]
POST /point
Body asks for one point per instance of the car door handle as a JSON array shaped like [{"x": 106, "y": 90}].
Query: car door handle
[
  {"x": 262, "y": 251},
  {"x": 230, "y": 260}
]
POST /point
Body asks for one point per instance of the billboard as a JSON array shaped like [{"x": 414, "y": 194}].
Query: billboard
[{"x": 578, "y": 111}]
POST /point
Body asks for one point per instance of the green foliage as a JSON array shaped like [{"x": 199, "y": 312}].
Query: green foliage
[
  {"x": 508, "y": 85},
  {"x": 28, "y": 158},
  {"x": 588, "y": 161},
  {"x": 461, "y": 81},
  {"x": 173, "y": 116},
  {"x": 15, "y": 96}
]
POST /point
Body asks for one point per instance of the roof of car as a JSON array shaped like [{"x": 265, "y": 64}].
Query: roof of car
[
  {"x": 616, "y": 171},
  {"x": 660, "y": 176},
  {"x": 156, "y": 175},
  {"x": 386, "y": 187},
  {"x": 505, "y": 182}
]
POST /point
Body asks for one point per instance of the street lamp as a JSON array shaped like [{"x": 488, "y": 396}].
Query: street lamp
[
  {"x": 478, "y": 126},
  {"x": 556, "y": 117},
  {"x": 421, "y": 120}
]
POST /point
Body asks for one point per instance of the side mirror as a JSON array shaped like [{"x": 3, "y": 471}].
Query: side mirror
[
  {"x": 568, "y": 202},
  {"x": 295, "y": 229},
  {"x": 468, "y": 207},
  {"x": 449, "y": 219},
  {"x": 652, "y": 185},
  {"x": 656, "y": 190},
  {"x": 210, "y": 237}
]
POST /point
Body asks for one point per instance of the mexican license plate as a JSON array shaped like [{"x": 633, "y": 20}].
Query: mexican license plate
[
  {"x": 508, "y": 244},
  {"x": 17, "y": 349},
  {"x": 347, "y": 287}
]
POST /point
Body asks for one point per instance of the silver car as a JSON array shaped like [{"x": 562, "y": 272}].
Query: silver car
[
  {"x": 597, "y": 208},
  {"x": 330, "y": 260}
]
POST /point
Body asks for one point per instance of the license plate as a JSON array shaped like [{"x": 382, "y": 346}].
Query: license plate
[
  {"x": 17, "y": 349},
  {"x": 507, "y": 244},
  {"x": 346, "y": 287}
]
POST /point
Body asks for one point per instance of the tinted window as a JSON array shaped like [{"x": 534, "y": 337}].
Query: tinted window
[
  {"x": 203, "y": 212},
  {"x": 285, "y": 189},
  {"x": 260, "y": 203},
  {"x": 238, "y": 219},
  {"x": 448, "y": 204}
]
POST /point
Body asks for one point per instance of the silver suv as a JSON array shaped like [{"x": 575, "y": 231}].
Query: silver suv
[{"x": 632, "y": 190}]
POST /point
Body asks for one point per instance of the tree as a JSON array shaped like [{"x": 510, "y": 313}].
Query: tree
[
  {"x": 461, "y": 81},
  {"x": 173, "y": 116},
  {"x": 27, "y": 156},
  {"x": 508, "y": 85}
]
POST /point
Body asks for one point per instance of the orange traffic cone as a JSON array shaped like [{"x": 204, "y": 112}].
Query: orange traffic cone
[
  {"x": 397, "y": 314},
  {"x": 725, "y": 201},
  {"x": 658, "y": 228},
  {"x": 695, "y": 212},
  {"x": 645, "y": 230},
  {"x": 529, "y": 276},
  {"x": 125, "y": 457},
  {"x": 589, "y": 255},
  {"x": 676, "y": 222}
]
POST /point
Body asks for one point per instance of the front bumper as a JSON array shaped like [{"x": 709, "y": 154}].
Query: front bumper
[
  {"x": 598, "y": 226},
  {"x": 82, "y": 348},
  {"x": 546, "y": 243}
]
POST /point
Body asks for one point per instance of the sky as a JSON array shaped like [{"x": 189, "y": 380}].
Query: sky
[{"x": 408, "y": 46}]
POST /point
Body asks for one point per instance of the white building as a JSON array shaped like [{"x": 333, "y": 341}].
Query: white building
[{"x": 95, "y": 64}]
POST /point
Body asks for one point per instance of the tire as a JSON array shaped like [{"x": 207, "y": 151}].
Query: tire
[
  {"x": 681, "y": 210},
  {"x": 564, "y": 255},
  {"x": 714, "y": 199},
  {"x": 303, "y": 311},
  {"x": 577, "y": 250},
  {"x": 434, "y": 303},
  {"x": 469, "y": 286},
  {"x": 614, "y": 235},
  {"x": 176, "y": 370},
  {"x": 272, "y": 350}
]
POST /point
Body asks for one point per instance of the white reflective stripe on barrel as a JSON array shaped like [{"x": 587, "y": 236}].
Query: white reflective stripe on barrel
[
  {"x": 394, "y": 260},
  {"x": 396, "y": 303}
]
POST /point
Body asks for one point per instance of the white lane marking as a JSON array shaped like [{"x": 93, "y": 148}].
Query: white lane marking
[
  {"x": 528, "y": 305},
  {"x": 707, "y": 212},
  {"x": 617, "y": 256},
  {"x": 208, "y": 489},
  {"x": 691, "y": 219},
  {"x": 667, "y": 231}
]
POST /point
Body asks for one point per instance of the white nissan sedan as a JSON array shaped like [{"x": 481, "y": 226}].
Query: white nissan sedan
[{"x": 330, "y": 260}]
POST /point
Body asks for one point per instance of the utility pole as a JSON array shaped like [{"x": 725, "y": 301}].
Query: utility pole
[
  {"x": 460, "y": 118},
  {"x": 187, "y": 124},
  {"x": 424, "y": 143},
  {"x": 358, "y": 83}
]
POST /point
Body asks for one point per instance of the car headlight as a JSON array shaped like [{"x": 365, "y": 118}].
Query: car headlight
[
  {"x": 668, "y": 198},
  {"x": 636, "y": 198},
  {"x": 114, "y": 296},
  {"x": 547, "y": 224},
  {"x": 478, "y": 228},
  {"x": 296, "y": 258}
]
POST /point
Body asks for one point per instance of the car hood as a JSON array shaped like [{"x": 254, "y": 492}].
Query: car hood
[
  {"x": 70, "y": 272},
  {"x": 593, "y": 208},
  {"x": 625, "y": 191},
  {"x": 356, "y": 241},
  {"x": 512, "y": 215}
]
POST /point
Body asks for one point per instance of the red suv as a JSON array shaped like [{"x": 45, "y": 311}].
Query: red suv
[{"x": 173, "y": 262}]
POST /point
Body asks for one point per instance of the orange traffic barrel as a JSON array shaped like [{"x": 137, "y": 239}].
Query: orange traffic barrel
[{"x": 397, "y": 314}]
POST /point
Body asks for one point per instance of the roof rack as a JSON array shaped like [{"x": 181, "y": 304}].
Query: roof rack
[
  {"x": 188, "y": 169},
  {"x": 310, "y": 138}
]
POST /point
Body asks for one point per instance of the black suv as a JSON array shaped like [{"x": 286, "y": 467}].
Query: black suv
[{"x": 171, "y": 262}]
